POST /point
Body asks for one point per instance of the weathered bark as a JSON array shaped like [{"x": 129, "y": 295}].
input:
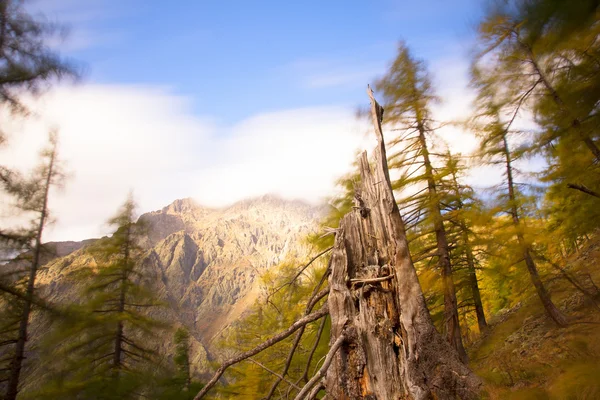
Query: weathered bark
[
  {"x": 28, "y": 300},
  {"x": 391, "y": 348},
  {"x": 543, "y": 294}
]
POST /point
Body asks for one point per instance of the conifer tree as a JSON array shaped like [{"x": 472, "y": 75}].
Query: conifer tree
[
  {"x": 104, "y": 349},
  {"x": 33, "y": 199},
  {"x": 182, "y": 357},
  {"x": 543, "y": 55},
  {"x": 461, "y": 209},
  {"x": 408, "y": 96},
  {"x": 27, "y": 62},
  {"x": 496, "y": 148}
]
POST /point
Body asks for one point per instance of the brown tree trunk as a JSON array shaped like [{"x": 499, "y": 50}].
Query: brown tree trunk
[
  {"x": 117, "y": 364},
  {"x": 543, "y": 294},
  {"x": 481, "y": 322},
  {"x": 451, "y": 323},
  {"x": 391, "y": 349},
  {"x": 17, "y": 361}
]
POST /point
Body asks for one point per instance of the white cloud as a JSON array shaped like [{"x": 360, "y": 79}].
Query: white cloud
[{"x": 117, "y": 138}]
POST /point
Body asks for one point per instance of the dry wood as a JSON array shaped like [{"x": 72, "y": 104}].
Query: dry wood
[
  {"x": 392, "y": 350},
  {"x": 321, "y": 373}
]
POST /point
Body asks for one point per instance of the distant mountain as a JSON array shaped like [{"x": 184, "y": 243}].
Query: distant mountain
[{"x": 203, "y": 262}]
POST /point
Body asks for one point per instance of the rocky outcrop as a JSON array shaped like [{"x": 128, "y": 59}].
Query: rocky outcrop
[{"x": 204, "y": 263}]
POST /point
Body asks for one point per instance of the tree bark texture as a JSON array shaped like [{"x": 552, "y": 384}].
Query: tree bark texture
[{"x": 391, "y": 348}]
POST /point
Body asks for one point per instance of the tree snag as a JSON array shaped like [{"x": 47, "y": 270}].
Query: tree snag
[{"x": 391, "y": 348}]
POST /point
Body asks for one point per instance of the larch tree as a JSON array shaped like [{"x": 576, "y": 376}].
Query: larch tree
[
  {"x": 103, "y": 347},
  {"x": 408, "y": 96},
  {"x": 27, "y": 62},
  {"x": 34, "y": 200},
  {"x": 461, "y": 211},
  {"x": 545, "y": 56},
  {"x": 497, "y": 114},
  {"x": 383, "y": 343}
]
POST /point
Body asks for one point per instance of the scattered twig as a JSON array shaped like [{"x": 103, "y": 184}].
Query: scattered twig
[{"x": 372, "y": 280}]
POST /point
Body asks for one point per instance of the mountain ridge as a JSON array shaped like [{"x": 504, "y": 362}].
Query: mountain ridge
[{"x": 205, "y": 263}]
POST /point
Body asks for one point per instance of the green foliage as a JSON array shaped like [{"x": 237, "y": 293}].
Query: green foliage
[
  {"x": 103, "y": 346},
  {"x": 281, "y": 305},
  {"x": 27, "y": 62}
]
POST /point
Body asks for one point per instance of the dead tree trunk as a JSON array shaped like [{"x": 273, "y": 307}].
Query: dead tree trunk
[{"x": 391, "y": 348}]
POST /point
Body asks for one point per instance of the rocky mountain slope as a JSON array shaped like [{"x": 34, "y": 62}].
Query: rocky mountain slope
[{"x": 204, "y": 263}]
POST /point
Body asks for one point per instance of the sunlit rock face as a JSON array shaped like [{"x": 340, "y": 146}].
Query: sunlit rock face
[{"x": 204, "y": 263}]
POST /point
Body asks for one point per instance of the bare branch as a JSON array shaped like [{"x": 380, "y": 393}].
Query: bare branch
[
  {"x": 281, "y": 378},
  {"x": 584, "y": 189},
  {"x": 321, "y": 373},
  {"x": 299, "y": 272},
  {"x": 265, "y": 345}
]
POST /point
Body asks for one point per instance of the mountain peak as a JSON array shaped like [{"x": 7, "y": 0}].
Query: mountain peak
[{"x": 182, "y": 205}]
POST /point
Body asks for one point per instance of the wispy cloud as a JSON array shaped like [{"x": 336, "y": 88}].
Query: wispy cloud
[
  {"x": 117, "y": 138},
  {"x": 333, "y": 73}
]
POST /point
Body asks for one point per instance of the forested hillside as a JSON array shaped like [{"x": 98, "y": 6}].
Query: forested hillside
[{"x": 430, "y": 274}]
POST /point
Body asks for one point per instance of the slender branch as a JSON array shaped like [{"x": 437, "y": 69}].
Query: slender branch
[
  {"x": 313, "y": 393},
  {"x": 583, "y": 188},
  {"x": 281, "y": 378},
  {"x": 299, "y": 272},
  {"x": 315, "y": 297},
  {"x": 321, "y": 373},
  {"x": 265, "y": 345},
  {"x": 313, "y": 350}
]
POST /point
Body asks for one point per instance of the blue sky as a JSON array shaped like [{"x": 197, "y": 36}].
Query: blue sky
[
  {"x": 225, "y": 100},
  {"x": 237, "y": 58}
]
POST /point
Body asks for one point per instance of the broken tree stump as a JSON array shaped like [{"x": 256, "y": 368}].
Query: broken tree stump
[{"x": 391, "y": 348}]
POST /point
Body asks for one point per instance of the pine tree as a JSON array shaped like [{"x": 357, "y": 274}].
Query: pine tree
[
  {"x": 408, "y": 96},
  {"x": 182, "y": 357}
]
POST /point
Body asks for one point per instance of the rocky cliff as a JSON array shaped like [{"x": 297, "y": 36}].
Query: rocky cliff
[{"x": 204, "y": 263}]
